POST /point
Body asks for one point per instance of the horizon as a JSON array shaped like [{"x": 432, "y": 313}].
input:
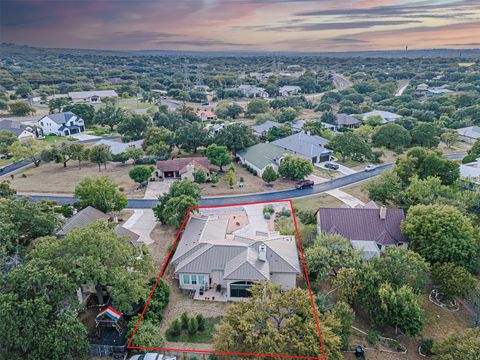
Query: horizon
[{"x": 304, "y": 26}]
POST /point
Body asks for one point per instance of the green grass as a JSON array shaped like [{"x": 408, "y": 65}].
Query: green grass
[
  {"x": 312, "y": 203},
  {"x": 205, "y": 336},
  {"x": 56, "y": 139}
]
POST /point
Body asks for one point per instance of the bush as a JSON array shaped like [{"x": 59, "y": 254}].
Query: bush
[
  {"x": 24, "y": 175},
  {"x": 373, "y": 337},
  {"x": 175, "y": 328},
  {"x": 192, "y": 326},
  {"x": 306, "y": 217},
  {"x": 199, "y": 176},
  {"x": 426, "y": 346},
  {"x": 285, "y": 213},
  {"x": 266, "y": 216},
  {"x": 268, "y": 209},
  {"x": 184, "y": 320},
  {"x": 201, "y": 322}
]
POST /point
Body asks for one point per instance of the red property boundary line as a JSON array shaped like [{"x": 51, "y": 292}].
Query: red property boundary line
[{"x": 165, "y": 264}]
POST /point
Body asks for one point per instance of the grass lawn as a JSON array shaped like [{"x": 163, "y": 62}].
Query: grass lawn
[
  {"x": 358, "y": 191},
  {"x": 205, "y": 336},
  {"x": 57, "y": 139},
  {"x": 312, "y": 203},
  {"x": 54, "y": 178}
]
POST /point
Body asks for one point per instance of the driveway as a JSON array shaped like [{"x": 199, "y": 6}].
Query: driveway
[
  {"x": 85, "y": 137},
  {"x": 345, "y": 198},
  {"x": 316, "y": 179},
  {"x": 341, "y": 168},
  {"x": 157, "y": 188},
  {"x": 142, "y": 223},
  {"x": 256, "y": 222}
]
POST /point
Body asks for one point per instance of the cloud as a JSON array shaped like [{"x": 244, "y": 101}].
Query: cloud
[{"x": 340, "y": 25}]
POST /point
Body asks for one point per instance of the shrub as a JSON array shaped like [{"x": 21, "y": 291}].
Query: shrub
[
  {"x": 192, "y": 326},
  {"x": 184, "y": 320},
  {"x": 201, "y": 322},
  {"x": 268, "y": 209},
  {"x": 175, "y": 328},
  {"x": 285, "y": 213},
  {"x": 266, "y": 216},
  {"x": 24, "y": 175},
  {"x": 199, "y": 176},
  {"x": 426, "y": 346},
  {"x": 373, "y": 337}
]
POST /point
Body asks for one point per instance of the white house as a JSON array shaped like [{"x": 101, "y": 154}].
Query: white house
[
  {"x": 470, "y": 174},
  {"x": 21, "y": 131},
  {"x": 61, "y": 124},
  {"x": 290, "y": 90},
  {"x": 92, "y": 97},
  {"x": 253, "y": 91},
  {"x": 217, "y": 262}
]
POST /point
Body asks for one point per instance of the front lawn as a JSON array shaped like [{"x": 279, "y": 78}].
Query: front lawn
[
  {"x": 57, "y": 139},
  {"x": 205, "y": 336}
]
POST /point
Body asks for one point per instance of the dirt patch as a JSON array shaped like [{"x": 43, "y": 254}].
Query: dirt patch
[
  {"x": 163, "y": 237},
  {"x": 358, "y": 191},
  {"x": 53, "y": 177}
]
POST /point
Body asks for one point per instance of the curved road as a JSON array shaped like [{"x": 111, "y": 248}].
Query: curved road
[{"x": 267, "y": 196}]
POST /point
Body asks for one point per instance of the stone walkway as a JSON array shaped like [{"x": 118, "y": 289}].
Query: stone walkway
[
  {"x": 142, "y": 223},
  {"x": 345, "y": 198}
]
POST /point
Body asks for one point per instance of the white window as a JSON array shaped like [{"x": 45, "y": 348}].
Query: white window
[
  {"x": 186, "y": 279},
  {"x": 194, "y": 279},
  {"x": 201, "y": 279}
]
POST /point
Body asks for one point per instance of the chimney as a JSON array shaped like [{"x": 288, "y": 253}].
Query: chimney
[
  {"x": 262, "y": 252},
  {"x": 383, "y": 212}
]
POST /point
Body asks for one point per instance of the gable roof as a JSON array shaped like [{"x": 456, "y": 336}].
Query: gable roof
[
  {"x": 262, "y": 154},
  {"x": 119, "y": 147},
  {"x": 246, "y": 266},
  {"x": 387, "y": 116},
  {"x": 303, "y": 144},
  {"x": 60, "y": 118},
  {"x": 470, "y": 131},
  {"x": 179, "y": 164},
  {"x": 363, "y": 224},
  {"x": 86, "y": 94},
  {"x": 345, "y": 119},
  {"x": 13, "y": 126},
  {"x": 267, "y": 125}
]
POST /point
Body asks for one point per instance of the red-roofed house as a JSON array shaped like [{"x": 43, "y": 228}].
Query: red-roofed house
[
  {"x": 206, "y": 115},
  {"x": 182, "y": 168},
  {"x": 368, "y": 229}
]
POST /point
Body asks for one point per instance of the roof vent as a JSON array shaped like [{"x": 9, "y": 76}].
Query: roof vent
[
  {"x": 383, "y": 212},
  {"x": 262, "y": 252}
]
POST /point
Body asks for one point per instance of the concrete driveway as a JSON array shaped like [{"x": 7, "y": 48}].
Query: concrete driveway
[
  {"x": 157, "y": 188},
  {"x": 256, "y": 222},
  {"x": 142, "y": 223},
  {"x": 341, "y": 168},
  {"x": 84, "y": 137},
  {"x": 345, "y": 198}
]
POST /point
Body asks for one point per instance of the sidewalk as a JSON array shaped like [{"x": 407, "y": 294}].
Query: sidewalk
[{"x": 345, "y": 198}]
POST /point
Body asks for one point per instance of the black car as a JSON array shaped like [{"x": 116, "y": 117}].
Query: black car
[
  {"x": 332, "y": 166},
  {"x": 305, "y": 184}
]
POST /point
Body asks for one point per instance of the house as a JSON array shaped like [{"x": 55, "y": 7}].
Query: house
[
  {"x": 470, "y": 174},
  {"x": 346, "y": 121},
  {"x": 262, "y": 129},
  {"x": 92, "y": 97},
  {"x": 469, "y": 134},
  {"x": 422, "y": 87},
  {"x": 182, "y": 168},
  {"x": 370, "y": 230},
  {"x": 61, "y": 124},
  {"x": 202, "y": 87},
  {"x": 21, "y": 131},
  {"x": 439, "y": 91},
  {"x": 119, "y": 147},
  {"x": 262, "y": 155},
  {"x": 297, "y": 126},
  {"x": 213, "y": 260},
  {"x": 206, "y": 115},
  {"x": 289, "y": 90},
  {"x": 253, "y": 91},
  {"x": 385, "y": 115},
  {"x": 310, "y": 147}
]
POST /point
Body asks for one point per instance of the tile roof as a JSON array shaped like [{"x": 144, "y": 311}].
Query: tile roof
[
  {"x": 363, "y": 224},
  {"x": 179, "y": 164}
]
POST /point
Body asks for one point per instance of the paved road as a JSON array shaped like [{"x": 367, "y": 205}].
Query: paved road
[
  {"x": 268, "y": 196},
  {"x": 18, "y": 165}
]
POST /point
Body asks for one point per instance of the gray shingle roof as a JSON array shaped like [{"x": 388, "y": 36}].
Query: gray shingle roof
[
  {"x": 262, "y": 154},
  {"x": 61, "y": 118},
  {"x": 345, "y": 119},
  {"x": 471, "y": 132},
  {"x": 13, "y": 126},
  {"x": 82, "y": 219},
  {"x": 86, "y": 94},
  {"x": 363, "y": 224},
  {"x": 267, "y": 125},
  {"x": 303, "y": 144}
]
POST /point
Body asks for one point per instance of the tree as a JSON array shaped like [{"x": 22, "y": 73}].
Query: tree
[
  {"x": 385, "y": 188},
  {"x": 110, "y": 116},
  {"x": 101, "y": 193},
  {"x": 236, "y": 137},
  {"x": 350, "y": 145},
  {"x": 100, "y": 154},
  {"x": 257, "y": 106},
  {"x": 464, "y": 346},
  {"x": 147, "y": 335},
  {"x": 441, "y": 234},
  {"x": 231, "y": 178},
  {"x": 85, "y": 111},
  {"x": 278, "y": 132},
  {"x": 97, "y": 255},
  {"x": 450, "y": 138},
  {"x": 133, "y": 127},
  {"x": 173, "y": 206},
  {"x": 7, "y": 138},
  {"x": 141, "y": 174},
  {"x": 199, "y": 176},
  {"x": 218, "y": 155},
  {"x": 452, "y": 280},
  {"x": 23, "y": 90},
  {"x": 155, "y": 136},
  {"x": 287, "y": 115},
  {"x": 27, "y": 149},
  {"x": 328, "y": 254},
  {"x": 402, "y": 308},
  {"x": 344, "y": 313},
  {"x": 425, "y": 134},
  {"x": 328, "y": 117},
  {"x": 314, "y": 128},
  {"x": 191, "y": 136},
  {"x": 57, "y": 105},
  {"x": 295, "y": 168},
  {"x": 134, "y": 153},
  {"x": 192, "y": 326},
  {"x": 65, "y": 153},
  {"x": 6, "y": 191},
  {"x": 276, "y": 322},
  {"x": 158, "y": 301},
  {"x": 269, "y": 175},
  {"x": 20, "y": 108},
  {"x": 392, "y": 136}
]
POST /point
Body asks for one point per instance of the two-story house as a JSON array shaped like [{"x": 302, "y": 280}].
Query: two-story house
[{"x": 62, "y": 124}]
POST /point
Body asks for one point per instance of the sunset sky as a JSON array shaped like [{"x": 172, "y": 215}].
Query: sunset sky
[{"x": 254, "y": 25}]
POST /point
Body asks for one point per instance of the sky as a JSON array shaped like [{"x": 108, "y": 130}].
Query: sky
[{"x": 251, "y": 25}]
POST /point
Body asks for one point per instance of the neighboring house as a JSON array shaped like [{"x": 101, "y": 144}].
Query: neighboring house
[
  {"x": 119, "y": 147},
  {"x": 290, "y": 90},
  {"x": 370, "y": 230},
  {"x": 439, "y": 91},
  {"x": 61, "y": 124},
  {"x": 262, "y": 155},
  {"x": 211, "y": 256},
  {"x": 182, "y": 168},
  {"x": 206, "y": 115},
  {"x": 253, "y": 91},
  {"x": 202, "y": 87},
  {"x": 21, "y": 131},
  {"x": 262, "y": 129},
  {"x": 346, "y": 121},
  {"x": 469, "y": 134},
  {"x": 422, "y": 87},
  {"x": 385, "y": 115},
  {"x": 93, "y": 97},
  {"x": 310, "y": 147},
  {"x": 470, "y": 174},
  {"x": 39, "y": 100},
  {"x": 213, "y": 129}
]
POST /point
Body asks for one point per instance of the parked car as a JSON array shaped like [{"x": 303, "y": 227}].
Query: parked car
[
  {"x": 305, "y": 184},
  {"x": 370, "y": 167},
  {"x": 205, "y": 104},
  {"x": 332, "y": 166},
  {"x": 152, "y": 356}
]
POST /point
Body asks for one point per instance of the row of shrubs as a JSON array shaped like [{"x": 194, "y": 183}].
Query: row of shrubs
[
  {"x": 192, "y": 325},
  {"x": 250, "y": 169}
]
